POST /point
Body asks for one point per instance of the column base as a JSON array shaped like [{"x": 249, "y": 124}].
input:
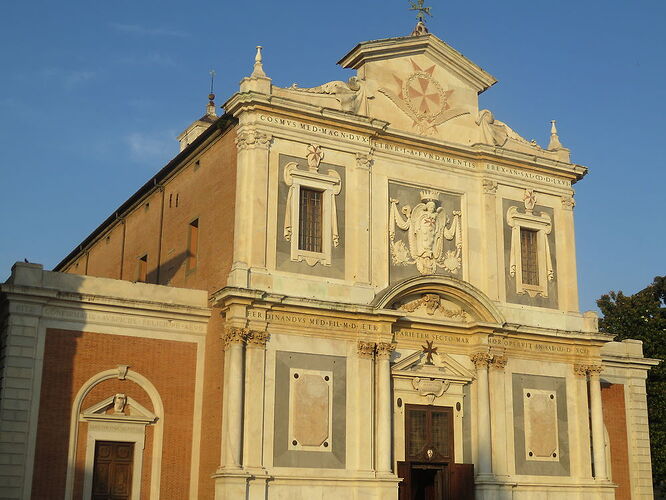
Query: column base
[{"x": 230, "y": 484}]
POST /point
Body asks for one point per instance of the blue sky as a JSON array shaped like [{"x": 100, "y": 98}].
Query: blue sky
[{"x": 93, "y": 94}]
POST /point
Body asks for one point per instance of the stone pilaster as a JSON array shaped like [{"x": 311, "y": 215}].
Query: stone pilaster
[
  {"x": 232, "y": 423},
  {"x": 490, "y": 217},
  {"x": 481, "y": 361},
  {"x": 250, "y": 214},
  {"x": 253, "y": 430},
  {"x": 597, "y": 418},
  {"x": 365, "y": 352},
  {"x": 500, "y": 447},
  {"x": 383, "y": 457}
]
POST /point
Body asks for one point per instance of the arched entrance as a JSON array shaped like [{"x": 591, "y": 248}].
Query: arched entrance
[{"x": 445, "y": 321}]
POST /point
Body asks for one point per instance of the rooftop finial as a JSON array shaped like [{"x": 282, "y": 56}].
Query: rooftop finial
[
  {"x": 554, "y": 139},
  {"x": 421, "y": 13},
  {"x": 210, "y": 108},
  {"x": 258, "y": 67}
]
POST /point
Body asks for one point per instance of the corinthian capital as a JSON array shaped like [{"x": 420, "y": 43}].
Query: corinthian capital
[
  {"x": 366, "y": 349},
  {"x": 257, "y": 339},
  {"x": 499, "y": 361},
  {"x": 253, "y": 139},
  {"x": 384, "y": 350},
  {"x": 481, "y": 359},
  {"x": 234, "y": 335}
]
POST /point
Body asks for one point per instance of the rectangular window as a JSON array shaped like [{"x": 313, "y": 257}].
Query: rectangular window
[
  {"x": 528, "y": 256},
  {"x": 142, "y": 269},
  {"x": 310, "y": 220},
  {"x": 192, "y": 244}
]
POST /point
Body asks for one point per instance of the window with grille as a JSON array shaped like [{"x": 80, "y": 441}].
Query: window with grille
[
  {"x": 528, "y": 256},
  {"x": 310, "y": 220}
]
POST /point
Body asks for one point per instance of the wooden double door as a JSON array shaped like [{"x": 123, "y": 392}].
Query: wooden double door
[
  {"x": 429, "y": 471},
  {"x": 112, "y": 472}
]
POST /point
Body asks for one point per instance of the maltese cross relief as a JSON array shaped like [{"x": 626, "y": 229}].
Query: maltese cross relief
[{"x": 423, "y": 99}]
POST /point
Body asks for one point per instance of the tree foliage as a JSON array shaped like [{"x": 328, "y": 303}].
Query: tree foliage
[{"x": 642, "y": 316}]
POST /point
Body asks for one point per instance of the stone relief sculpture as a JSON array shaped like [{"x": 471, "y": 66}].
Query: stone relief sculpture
[
  {"x": 422, "y": 98},
  {"x": 349, "y": 94},
  {"x": 119, "y": 402},
  {"x": 426, "y": 226},
  {"x": 433, "y": 305}
]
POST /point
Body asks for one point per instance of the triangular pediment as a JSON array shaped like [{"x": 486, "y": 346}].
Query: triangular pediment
[
  {"x": 119, "y": 408},
  {"x": 443, "y": 367}
]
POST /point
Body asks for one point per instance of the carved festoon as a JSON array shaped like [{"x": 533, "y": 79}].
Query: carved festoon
[
  {"x": 426, "y": 226},
  {"x": 490, "y": 186},
  {"x": 366, "y": 349},
  {"x": 433, "y": 305},
  {"x": 364, "y": 160},
  {"x": 253, "y": 138},
  {"x": 384, "y": 350},
  {"x": 568, "y": 202},
  {"x": 481, "y": 359}
]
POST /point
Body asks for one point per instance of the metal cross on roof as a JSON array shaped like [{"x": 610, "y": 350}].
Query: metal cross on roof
[
  {"x": 429, "y": 350},
  {"x": 422, "y": 11}
]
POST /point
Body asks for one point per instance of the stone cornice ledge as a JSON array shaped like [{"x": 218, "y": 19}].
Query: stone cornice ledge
[{"x": 512, "y": 328}]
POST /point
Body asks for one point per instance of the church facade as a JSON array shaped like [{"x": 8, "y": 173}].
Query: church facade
[{"x": 364, "y": 289}]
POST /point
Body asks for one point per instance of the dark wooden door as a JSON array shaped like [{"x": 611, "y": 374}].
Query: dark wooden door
[{"x": 112, "y": 473}]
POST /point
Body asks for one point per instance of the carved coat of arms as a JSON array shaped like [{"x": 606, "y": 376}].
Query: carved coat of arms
[
  {"x": 423, "y": 99},
  {"x": 428, "y": 228}
]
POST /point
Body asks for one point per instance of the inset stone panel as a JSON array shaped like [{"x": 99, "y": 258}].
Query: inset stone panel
[
  {"x": 311, "y": 408},
  {"x": 541, "y": 425},
  {"x": 310, "y": 411},
  {"x": 541, "y": 429}
]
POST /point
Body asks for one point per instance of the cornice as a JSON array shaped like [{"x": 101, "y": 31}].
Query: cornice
[
  {"x": 375, "y": 129},
  {"x": 427, "y": 44}
]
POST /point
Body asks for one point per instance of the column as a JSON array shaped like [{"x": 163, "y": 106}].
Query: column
[
  {"x": 383, "y": 391},
  {"x": 597, "y": 418},
  {"x": 255, "y": 361},
  {"x": 365, "y": 381},
  {"x": 232, "y": 423},
  {"x": 481, "y": 361},
  {"x": 500, "y": 466}
]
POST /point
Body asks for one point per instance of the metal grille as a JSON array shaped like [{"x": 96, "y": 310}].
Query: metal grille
[
  {"x": 310, "y": 219},
  {"x": 528, "y": 256},
  {"x": 417, "y": 432}
]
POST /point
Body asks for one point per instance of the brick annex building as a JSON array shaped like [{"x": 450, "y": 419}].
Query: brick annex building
[{"x": 365, "y": 289}]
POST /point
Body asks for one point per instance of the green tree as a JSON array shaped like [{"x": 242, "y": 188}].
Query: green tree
[{"x": 642, "y": 316}]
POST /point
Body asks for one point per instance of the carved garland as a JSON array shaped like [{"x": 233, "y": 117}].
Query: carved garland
[{"x": 253, "y": 138}]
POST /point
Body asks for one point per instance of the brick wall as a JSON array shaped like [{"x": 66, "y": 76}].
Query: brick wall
[
  {"x": 70, "y": 359},
  {"x": 615, "y": 419}
]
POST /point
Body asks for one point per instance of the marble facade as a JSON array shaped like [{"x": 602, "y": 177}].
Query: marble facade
[{"x": 414, "y": 301}]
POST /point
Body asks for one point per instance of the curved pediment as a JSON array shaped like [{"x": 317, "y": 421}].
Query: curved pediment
[{"x": 439, "y": 297}]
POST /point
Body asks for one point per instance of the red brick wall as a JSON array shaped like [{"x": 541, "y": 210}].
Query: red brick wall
[
  {"x": 615, "y": 419},
  {"x": 159, "y": 227},
  {"x": 70, "y": 359}
]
